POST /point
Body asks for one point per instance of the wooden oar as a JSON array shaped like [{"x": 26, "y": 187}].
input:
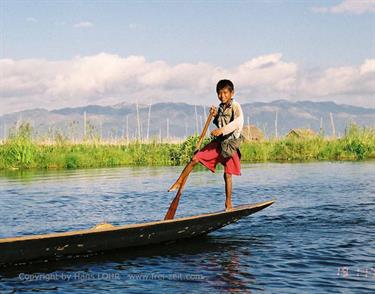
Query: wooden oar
[{"x": 173, "y": 207}]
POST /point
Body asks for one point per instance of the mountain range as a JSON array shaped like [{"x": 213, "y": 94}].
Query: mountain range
[{"x": 178, "y": 120}]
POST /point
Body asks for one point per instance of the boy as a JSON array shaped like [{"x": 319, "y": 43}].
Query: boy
[{"x": 227, "y": 138}]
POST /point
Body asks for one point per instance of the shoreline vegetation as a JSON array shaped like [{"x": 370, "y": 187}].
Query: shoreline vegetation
[{"x": 20, "y": 151}]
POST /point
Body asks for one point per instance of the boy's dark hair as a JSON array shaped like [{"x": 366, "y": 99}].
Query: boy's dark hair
[{"x": 224, "y": 84}]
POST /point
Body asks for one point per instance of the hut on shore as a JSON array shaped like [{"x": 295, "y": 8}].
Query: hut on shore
[
  {"x": 301, "y": 133},
  {"x": 252, "y": 133}
]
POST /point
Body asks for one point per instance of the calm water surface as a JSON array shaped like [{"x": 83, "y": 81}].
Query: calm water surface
[{"x": 318, "y": 237}]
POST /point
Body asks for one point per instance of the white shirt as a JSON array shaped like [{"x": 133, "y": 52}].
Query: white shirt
[{"x": 237, "y": 124}]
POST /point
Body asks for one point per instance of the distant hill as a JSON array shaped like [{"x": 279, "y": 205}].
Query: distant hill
[{"x": 180, "y": 119}]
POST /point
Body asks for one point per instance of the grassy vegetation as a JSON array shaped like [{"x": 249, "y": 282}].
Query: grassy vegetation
[
  {"x": 21, "y": 152},
  {"x": 357, "y": 144}
]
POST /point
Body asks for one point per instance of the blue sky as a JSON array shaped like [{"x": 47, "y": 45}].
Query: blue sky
[{"x": 221, "y": 34}]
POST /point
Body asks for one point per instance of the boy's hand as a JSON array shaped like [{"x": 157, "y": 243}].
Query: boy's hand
[
  {"x": 216, "y": 132},
  {"x": 213, "y": 110}
]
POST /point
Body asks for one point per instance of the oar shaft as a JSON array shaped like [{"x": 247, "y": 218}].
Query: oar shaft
[{"x": 204, "y": 131}]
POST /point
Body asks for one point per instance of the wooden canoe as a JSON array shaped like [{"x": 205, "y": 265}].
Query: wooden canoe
[{"x": 54, "y": 246}]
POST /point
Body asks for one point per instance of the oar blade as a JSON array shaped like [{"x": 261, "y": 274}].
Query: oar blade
[{"x": 173, "y": 207}]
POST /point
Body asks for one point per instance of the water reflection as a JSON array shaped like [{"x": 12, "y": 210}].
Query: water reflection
[{"x": 218, "y": 263}]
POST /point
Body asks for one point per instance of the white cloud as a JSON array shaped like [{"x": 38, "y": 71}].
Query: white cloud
[
  {"x": 348, "y": 6},
  {"x": 367, "y": 67},
  {"x": 83, "y": 24},
  {"x": 108, "y": 79},
  {"x": 348, "y": 84}
]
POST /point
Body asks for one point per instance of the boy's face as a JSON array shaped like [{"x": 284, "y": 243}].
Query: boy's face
[{"x": 225, "y": 95}]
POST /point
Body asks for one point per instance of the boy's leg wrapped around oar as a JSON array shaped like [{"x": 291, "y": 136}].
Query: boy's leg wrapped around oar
[
  {"x": 180, "y": 183},
  {"x": 184, "y": 174}
]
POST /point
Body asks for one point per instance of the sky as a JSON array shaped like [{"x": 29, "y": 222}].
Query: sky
[{"x": 56, "y": 54}]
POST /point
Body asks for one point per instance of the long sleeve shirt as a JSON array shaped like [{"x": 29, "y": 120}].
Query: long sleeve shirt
[{"x": 237, "y": 124}]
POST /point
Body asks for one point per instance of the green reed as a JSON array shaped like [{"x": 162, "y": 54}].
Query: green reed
[{"x": 20, "y": 151}]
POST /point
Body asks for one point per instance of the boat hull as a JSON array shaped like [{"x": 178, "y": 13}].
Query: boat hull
[{"x": 55, "y": 246}]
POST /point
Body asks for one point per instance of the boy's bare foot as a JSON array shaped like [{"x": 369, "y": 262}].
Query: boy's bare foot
[
  {"x": 174, "y": 187},
  {"x": 228, "y": 207}
]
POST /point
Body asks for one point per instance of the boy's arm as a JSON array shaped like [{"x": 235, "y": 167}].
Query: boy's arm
[
  {"x": 214, "y": 112},
  {"x": 237, "y": 122}
]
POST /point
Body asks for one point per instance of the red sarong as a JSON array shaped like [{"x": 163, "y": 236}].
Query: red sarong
[{"x": 210, "y": 156}]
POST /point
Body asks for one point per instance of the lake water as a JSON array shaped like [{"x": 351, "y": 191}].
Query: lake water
[{"x": 318, "y": 237}]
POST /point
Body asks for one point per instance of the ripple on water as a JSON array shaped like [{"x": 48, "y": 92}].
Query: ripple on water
[{"x": 320, "y": 226}]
